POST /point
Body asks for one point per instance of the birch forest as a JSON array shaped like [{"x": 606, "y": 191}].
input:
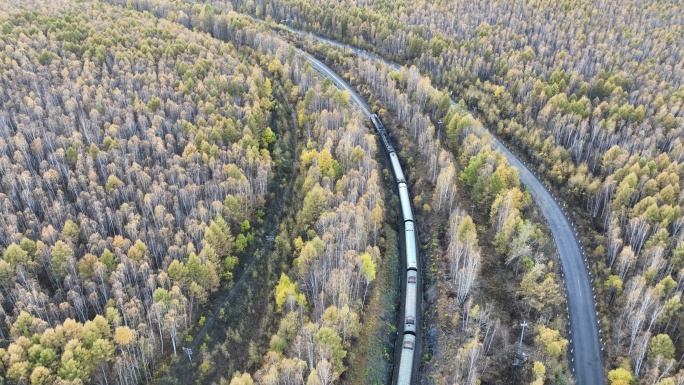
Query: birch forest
[{"x": 185, "y": 198}]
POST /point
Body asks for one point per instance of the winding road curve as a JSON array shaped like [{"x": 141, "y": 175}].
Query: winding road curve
[{"x": 585, "y": 347}]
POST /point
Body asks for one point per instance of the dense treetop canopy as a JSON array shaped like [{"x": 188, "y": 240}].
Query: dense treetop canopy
[{"x": 131, "y": 149}]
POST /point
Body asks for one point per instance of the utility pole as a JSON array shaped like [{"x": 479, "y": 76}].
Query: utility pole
[
  {"x": 188, "y": 351},
  {"x": 522, "y": 334},
  {"x": 520, "y": 357}
]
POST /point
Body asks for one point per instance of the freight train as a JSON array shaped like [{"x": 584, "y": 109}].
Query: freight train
[{"x": 411, "y": 291}]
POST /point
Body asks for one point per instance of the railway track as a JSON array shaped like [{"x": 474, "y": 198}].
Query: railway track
[{"x": 406, "y": 355}]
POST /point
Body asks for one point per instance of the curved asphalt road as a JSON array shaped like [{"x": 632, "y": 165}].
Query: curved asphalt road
[
  {"x": 584, "y": 331},
  {"x": 585, "y": 347}
]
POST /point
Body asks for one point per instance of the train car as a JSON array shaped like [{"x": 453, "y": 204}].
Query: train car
[
  {"x": 410, "y": 297},
  {"x": 386, "y": 142},
  {"x": 410, "y": 237},
  {"x": 383, "y": 133},
  {"x": 405, "y": 202},
  {"x": 396, "y": 168},
  {"x": 406, "y": 363}
]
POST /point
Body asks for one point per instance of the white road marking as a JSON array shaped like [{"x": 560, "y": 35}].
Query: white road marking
[{"x": 579, "y": 288}]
